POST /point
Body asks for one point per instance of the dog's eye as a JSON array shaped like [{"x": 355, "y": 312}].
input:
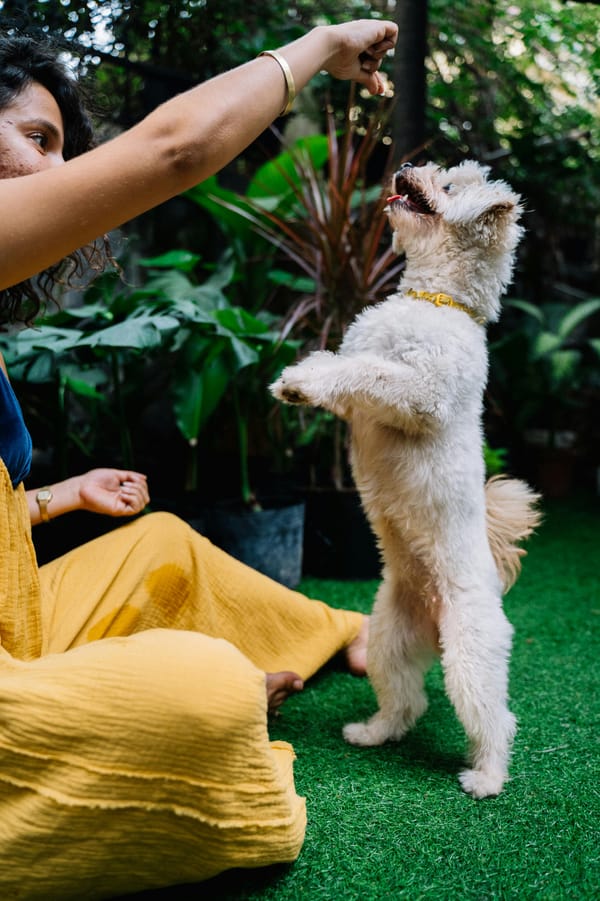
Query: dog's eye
[{"x": 447, "y": 188}]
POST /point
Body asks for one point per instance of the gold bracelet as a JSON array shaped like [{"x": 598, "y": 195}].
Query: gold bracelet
[{"x": 289, "y": 79}]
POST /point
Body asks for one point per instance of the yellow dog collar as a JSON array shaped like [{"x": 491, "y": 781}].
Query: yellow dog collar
[{"x": 444, "y": 300}]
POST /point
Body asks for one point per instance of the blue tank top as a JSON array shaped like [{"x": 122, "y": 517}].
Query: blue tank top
[{"x": 15, "y": 440}]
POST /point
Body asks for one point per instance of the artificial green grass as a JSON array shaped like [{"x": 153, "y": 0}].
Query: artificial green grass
[{"x": 393, "y": 823}]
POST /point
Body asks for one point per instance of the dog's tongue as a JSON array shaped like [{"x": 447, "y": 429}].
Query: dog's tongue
[{"x": 395, "y": 197}]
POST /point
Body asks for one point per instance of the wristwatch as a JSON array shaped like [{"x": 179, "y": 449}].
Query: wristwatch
[{"x": 43, "y": 498}]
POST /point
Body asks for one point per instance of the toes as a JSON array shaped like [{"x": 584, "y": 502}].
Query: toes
[
  {"x": 481, "y": 783},
  {"x": 293, "y": 396},
  {"x": 363, "y": 735},
  {"x": 280, "y": 686}
]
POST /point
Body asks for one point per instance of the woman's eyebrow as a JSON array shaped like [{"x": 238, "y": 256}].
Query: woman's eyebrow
[{"x": 46, "y": 125}]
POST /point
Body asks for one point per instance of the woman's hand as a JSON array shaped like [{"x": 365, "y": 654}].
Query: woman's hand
[
  {"x": 114, "y": 492},
  {"x": 358, "y": 49}
]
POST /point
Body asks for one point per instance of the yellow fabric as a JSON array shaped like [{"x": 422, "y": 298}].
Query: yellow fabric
[
  {"x": 157, "y": 572},
  {"x": 20, "y": 630},
  {"x": 143, "y": 759}
]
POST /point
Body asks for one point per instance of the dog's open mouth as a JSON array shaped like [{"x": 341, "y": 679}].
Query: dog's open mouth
[{"x": 410, "y": 197}]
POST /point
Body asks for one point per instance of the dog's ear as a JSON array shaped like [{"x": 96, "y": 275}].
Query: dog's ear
[{"x": 495, "y": 223}]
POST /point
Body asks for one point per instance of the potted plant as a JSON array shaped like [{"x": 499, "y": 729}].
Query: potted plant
[{"x": 545, "y": 377}]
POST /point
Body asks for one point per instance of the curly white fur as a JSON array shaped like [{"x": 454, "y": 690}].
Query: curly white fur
[{"x": 409, "y": 377}]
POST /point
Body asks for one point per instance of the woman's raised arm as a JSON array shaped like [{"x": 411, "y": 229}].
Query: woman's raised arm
[{"x": 49, "y": 214}]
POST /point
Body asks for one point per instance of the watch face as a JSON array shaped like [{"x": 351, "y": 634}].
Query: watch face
[{"x": 44, "y": 495}]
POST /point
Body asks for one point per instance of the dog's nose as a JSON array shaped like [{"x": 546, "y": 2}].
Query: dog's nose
[{"x": 399, "y": 172}]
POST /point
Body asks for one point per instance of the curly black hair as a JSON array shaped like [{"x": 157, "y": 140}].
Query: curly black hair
[{"x": 24, "y": 60}]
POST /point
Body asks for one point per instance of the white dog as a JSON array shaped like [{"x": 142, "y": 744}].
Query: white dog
[{"x": 409, "y": 377}]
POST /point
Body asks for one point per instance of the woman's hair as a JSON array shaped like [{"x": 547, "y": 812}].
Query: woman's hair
[{"x": 23, "y": 61}]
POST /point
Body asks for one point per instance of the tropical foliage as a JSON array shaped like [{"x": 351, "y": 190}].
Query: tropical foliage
[
  {"x": 513, "y": 83},
  {"x": 102, "y": 365}
]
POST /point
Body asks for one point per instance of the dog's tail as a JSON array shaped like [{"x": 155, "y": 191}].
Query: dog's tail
[{"x": 512, "y": 515}]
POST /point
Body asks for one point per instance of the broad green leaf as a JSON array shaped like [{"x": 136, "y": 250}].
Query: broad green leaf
[
  {"x": 39, "y": 370},
  {"x": 274, "y": 177},
  {"x": 197, "y": 393},
  {"x": 43, "y": 338},
  {"x": 186, "y": 392},
  {"x": 135, "y": 334},
  {"x": 92, "y": 375},
  {"x": 244, "y": 354},
  {"x": 172, "y": 284},
  {"x": 226, "y": 208},
  {"x": 240, "y": 322},
  {"x": 223, "y": 274}
]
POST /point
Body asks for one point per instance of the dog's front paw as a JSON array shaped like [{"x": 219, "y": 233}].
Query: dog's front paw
[
  {"x": 482, "y": 783},
  {"x": 307, "y": 382},
  {"x": 370, "y": 734},
  {"x": 286, "y": 391},
  {"x": 297, "y": 384}
]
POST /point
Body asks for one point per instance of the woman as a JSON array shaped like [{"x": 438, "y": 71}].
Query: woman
[{"x": 134, "y": 749}]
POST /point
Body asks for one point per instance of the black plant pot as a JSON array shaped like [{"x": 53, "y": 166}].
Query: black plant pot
[
  {"x": 270, "y": 539},
  {"x": 338, "y": 540}
]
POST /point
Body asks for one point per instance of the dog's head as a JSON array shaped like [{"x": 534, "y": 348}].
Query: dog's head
[{"x": 456, "y": 218}]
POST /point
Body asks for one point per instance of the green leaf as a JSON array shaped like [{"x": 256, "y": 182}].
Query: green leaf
[
  {"x": 526, "y": 307},
  {"x": 223, "y": 274},
  {"x": 300, "y": 283},
  {"x": 244, "y": 354},
  {"x": 38, "y": 370},
  {"x": 276, "y": 177},
  {"x": 196, "y": 394},
  {"x": 182, "y": 260},
  {"x": 98, "y": 311},
  {"x": 577, "y": 315},
  {"x": 545, "y": 344},
  {"x": 240, "y": 322},
  {"x": 44, "y": 338},
  {"x": 563, "y": 365},
  {"x": 142, "y": 333},
  {"x": 225, "y": 207},
  {"x": 171, "y": 283},
  {"x": 83, "y": 388}
]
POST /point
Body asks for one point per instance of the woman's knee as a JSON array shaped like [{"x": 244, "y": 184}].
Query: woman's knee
[
  {"x": 169, "y": 537},
  {"x": 164, "y": 526}
]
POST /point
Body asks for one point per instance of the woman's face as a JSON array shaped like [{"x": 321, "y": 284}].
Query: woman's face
[{"x": 31, "y": 133}]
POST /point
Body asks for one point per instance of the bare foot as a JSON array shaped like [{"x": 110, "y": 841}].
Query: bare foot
[
  {"x": 356, "y": 652},
  {"x": 280, "y": 686}
]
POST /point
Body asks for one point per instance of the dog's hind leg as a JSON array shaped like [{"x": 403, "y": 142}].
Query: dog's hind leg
[
  {"x": 402, "y": 642},
  {"x": 476, "y": 638}
]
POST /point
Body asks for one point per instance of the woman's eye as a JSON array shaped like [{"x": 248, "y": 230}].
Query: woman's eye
[{"x": 40, "y": 138}]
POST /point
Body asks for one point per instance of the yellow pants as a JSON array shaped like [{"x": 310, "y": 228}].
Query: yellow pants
[{"x": 134, "y": 751}]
